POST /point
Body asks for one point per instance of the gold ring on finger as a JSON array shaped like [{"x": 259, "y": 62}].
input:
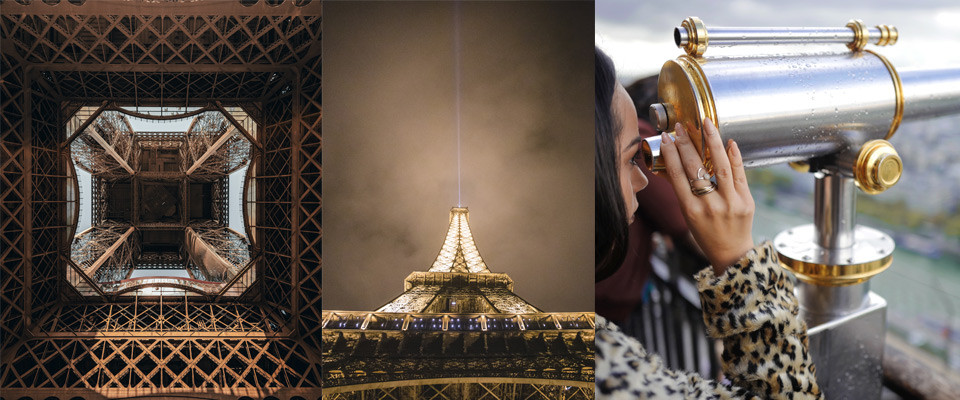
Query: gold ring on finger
[{"x": 704, "y": 190}]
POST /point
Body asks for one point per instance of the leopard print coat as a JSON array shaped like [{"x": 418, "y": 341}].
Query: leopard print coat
[{"x": 753, "y": 310}]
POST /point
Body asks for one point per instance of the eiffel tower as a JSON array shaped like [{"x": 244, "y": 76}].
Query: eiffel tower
[
  {"x": 458, "y": 331},
  {"x": 160, "y": 297}
]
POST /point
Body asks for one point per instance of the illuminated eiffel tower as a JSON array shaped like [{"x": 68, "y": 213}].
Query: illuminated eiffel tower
[{"x": 458, "y": 332}]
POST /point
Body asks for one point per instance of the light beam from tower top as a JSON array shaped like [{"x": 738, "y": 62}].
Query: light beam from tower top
[{"x": 456, "y": 72}]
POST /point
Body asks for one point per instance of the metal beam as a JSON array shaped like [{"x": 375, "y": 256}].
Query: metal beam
[
  {"x": 27, "y": 211},
  {"x": 90, "y": 228},
  {"x": 237, "y": 125},
  {"x": 211, "y": 150},
  {"x": 184, "y": 194},
  {"x": 110, "y": 150},
  {"x": 135, "y": 201},
  {"x": 153, "y": 117},
  {"x": 86, "y": 124},
  {"x": 83, "y": 276},
  {"x": 458, "y": 380},
  {"x": 236, "y": 277},
  {"x": 124, "y": 7},
  {"x": 203, "y": 254},
  {"x": 296, "y": 135},
  {"x": 162, "y": 68},
  {"x": 107, "y": 254}
]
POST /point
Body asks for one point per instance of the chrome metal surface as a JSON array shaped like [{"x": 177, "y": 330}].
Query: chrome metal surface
[
  {"x": 659, "y": 114},
  {"x": 848, "y": 351},
  {"x": 650, "y": 148},
  {"x": 680, "y": 36},
  {"x": 731, "y": 36},
  {"x": 930, "y": 93},
  {"x": 820, "y": 304},
  {"x": 800, "y": 243},
  {"x": 834, "y": 205},
  {"x": 795, "y": 108}
]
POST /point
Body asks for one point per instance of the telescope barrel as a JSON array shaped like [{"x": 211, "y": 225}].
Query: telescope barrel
[
  {"x": 757, "y": 36},
  {"x": 694, "y": 37},
  {"x": 793, "y": 108},
  {"x": 780, "y": 109}
]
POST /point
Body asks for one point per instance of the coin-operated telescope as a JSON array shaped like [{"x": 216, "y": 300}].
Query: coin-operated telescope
[{"x": 827, "y": 113}]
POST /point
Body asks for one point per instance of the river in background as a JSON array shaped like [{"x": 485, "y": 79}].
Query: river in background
[{"x": 922, "y": 293}]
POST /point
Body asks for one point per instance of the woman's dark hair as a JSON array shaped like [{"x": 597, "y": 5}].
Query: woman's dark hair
[{"x": 611, "y": 219}]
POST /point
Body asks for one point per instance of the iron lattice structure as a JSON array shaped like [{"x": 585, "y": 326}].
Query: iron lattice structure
[
  {"x": 458, "y": 331},
  {"x": 63, "y": 65},
  {"x": 105, "y": 252},
  {"x": 106, "y": 147},
  {"x": 214, "y": 146}
]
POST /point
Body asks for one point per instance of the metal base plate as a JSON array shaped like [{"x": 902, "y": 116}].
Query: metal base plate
[{"x": 871, "y": 253}]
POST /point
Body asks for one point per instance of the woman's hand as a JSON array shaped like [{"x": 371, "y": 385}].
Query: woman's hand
[{"x": 720, "y": 220}]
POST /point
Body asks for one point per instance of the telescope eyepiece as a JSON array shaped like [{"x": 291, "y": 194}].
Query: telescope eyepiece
[
  {"x": 680, "y": 36},
  {"x": 660, "y": 114},
  {"x": 650, "y": 149}
]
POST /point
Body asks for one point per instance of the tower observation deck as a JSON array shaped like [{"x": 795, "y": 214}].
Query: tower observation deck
[
  {"x": 162, "y": 292},
  {"x": 460, "y": 332}
]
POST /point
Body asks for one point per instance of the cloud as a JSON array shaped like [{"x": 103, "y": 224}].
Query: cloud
[{"x": 390, "y": 174}]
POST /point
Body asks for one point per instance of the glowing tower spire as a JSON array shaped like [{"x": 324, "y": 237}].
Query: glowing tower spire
[
  {"x": 459, "y": 252},
  {"x": 458, "y": 281}
]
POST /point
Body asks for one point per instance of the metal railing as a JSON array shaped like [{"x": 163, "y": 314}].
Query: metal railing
[
  {"x": 669, "y": 323},
  {"x": 387, "y": 321}
]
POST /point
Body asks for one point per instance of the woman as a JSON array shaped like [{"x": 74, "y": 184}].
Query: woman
[{"x": 747, "y": 299}]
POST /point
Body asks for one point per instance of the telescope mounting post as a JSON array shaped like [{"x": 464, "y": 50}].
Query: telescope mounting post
[{"x": 833, "y": 259}]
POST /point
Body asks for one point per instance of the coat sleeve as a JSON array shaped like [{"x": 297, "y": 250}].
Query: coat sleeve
[
  {"x": 753, "y": 310},
  {"x": 626, "y": 371}
]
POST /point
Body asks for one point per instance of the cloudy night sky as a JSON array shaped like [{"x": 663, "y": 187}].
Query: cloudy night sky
[
  {"x": 638, "y": 35},
  {"x": 390, "y": 144}
]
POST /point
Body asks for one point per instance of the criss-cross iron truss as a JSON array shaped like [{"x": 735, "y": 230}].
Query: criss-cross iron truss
[
  {"x": 73, "y": 72},
  {"x": 470, "y": 390}
]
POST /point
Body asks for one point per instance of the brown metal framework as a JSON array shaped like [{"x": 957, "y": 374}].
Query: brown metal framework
[
  {"x": 509, "y": 390},
  {"x": 62, "y": 63},
  {"x": 106, "y": 146},
  {"x": 375, "y": 350},
  {"x": 458, "y": 331},
  {"x": 105, "y": 252}
]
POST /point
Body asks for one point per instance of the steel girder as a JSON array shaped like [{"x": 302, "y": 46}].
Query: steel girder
[{"x": 57, "y": 59}]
